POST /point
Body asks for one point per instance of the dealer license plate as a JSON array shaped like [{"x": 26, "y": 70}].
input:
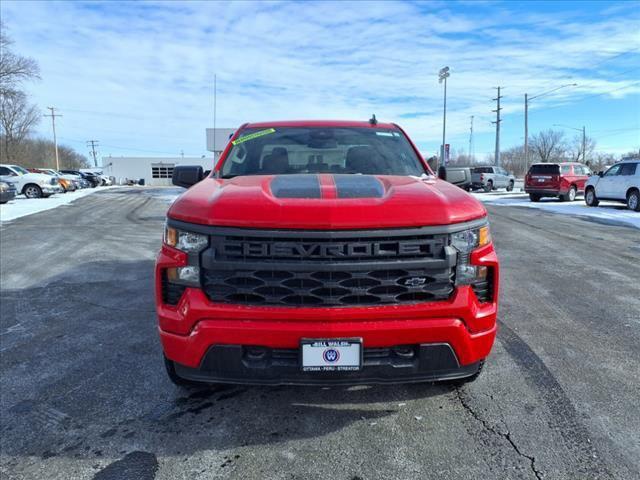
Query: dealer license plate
[{"x": 331, "y": 355}]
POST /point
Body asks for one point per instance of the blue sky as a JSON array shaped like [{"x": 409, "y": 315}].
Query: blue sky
[{"x": 139, "y": 76}]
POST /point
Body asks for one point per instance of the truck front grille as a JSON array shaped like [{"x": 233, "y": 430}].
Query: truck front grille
[
  {"x": 328, "y": 288},
  {"x": 328, "y": 269}
]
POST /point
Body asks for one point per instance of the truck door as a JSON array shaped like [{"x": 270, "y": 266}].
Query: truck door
[
  {"x": 625, "y": 180},
  {"x": 606, "y": 185}
]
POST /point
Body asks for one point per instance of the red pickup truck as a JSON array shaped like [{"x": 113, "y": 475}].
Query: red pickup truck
[{"x": 324, "y": 252}]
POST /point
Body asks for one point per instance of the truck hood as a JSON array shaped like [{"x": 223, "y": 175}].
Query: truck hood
[{"x": 325, "y": 201}]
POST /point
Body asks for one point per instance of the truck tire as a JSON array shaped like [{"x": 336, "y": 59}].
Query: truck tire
[
  {"x": 31, "y": 190},
  {"x": 510, "y": 186},
  {"x": 570, "y": 196},
  {"x": 175, "y": 378},
  {"x": 534, "y": 198},
  {"x": 633, "y": 200},
  {"x": 590, "y": 197},
  {"x": 489, "y": 186}
]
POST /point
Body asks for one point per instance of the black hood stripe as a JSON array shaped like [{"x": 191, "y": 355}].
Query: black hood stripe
[
  {"x": 358, "y": 186},
  {"x": 296, "y": 186},
  {"x": 308, "y": 186}
]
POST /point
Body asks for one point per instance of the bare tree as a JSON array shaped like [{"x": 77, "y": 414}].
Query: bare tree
[
  {"x": 14, "y": 69},
  {"x": 574, "y": 149},
  {"x": 17, "y": 119},
  {"x": 512, "y": 159},
  {"x": 17, "y": 116},
  {"x": 548, "y": 145}
]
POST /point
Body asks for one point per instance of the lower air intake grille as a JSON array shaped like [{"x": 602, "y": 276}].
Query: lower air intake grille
[
  {"x": 328, "y": 288},
  {"x": 171, "y": 292},
  {"x": 484, "y": 289}
]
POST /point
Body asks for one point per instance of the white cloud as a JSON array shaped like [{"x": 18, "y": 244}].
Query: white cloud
[{"x": 147, "y": 68}]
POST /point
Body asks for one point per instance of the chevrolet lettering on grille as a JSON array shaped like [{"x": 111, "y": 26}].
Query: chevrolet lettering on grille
[{"x": 327, "y": 250}]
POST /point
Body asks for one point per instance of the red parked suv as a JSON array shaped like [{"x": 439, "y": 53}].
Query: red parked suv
[
  {"x": 324, "y": 252},
  {"x": 562, "y": 180}
]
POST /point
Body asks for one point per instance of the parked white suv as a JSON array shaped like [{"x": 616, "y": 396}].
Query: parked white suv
[
  {"x": 31, "y": 185},
  {"x": 621, "y": 183}
]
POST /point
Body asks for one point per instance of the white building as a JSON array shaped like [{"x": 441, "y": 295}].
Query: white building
[
  {"x": 153, "y": 170},
  {"x": 159, "y": 170},
  {"x": 216, "y": 142}
]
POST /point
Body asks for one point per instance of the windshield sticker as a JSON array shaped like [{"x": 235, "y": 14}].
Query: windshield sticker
[
  {"x": 253, "y": 136},
  {"x": 385, "y": 134}
]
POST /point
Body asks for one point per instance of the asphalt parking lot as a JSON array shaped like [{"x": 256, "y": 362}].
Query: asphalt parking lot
[{"x": 83, "y": 392}]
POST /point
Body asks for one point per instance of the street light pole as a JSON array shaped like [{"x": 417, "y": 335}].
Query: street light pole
[
  {"x": 443, "y": 74},
  {"x": 527, "y": 99},
  {"x": 526, "y": 130}
]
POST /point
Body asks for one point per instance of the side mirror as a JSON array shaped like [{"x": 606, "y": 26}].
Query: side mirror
[
  {"x": 442, "y": 173},
  {"x": 600, "y": 174},
  {"x": 187, "y": 175}
]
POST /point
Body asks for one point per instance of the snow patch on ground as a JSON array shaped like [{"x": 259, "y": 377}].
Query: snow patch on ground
[
  {"x": 21, "y": 206},
  {"x": 165, "y": 194},
  {"x": 611, "y": 213}
]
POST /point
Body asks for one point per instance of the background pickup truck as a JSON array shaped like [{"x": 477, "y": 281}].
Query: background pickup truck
[
  {"x": 491, "y": 178},
  {"x": 459, "y": 176}
]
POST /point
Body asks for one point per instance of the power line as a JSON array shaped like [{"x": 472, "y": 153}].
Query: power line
[
  {"x": 595, "y": 95},
  {"x": 614, "y": 56},
  {"x": 72, "y": 140}
]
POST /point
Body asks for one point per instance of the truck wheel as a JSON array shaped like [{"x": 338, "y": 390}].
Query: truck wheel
[
  {"x": 534, "y": 198},
  {"x": 489, "y": 186},
  {"x": 32, "y": 191},
  {"x": 175, "y": 378},
  {"x": 570, "y": 196},
  {"x": 590, "y": 197},
  {"x": 510, "y": 186},
  {"x": 633, "y": 200}
]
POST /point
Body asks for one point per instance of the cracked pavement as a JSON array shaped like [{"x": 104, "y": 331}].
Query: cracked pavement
[{"x": 83, "y": 393}]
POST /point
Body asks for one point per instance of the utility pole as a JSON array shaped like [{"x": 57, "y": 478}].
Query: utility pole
[
  {"x": 471, "y": 146},
  {"x": 443, "y": 74},
  {"x": 497, "y": 122},
  {"x": 584, "y": 139},
  {"x": 93, "y": 144},
  {"x": 55, "y": 140}
]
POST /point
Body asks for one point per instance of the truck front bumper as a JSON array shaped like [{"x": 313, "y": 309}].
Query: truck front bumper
[
  {"x": 267, "y": 366},
  {"x": 212, "y": 342}
]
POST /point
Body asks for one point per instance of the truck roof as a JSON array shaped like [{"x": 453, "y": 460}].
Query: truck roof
[{"x": 320, "y": 123}]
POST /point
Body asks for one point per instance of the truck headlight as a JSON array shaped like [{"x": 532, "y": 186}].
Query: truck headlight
[
  {"x": 188, "y": 242},
  {"x": 465, "y": 242},
  {"x": 468, "y": 240},
  {"x": 188, "y": 276}
]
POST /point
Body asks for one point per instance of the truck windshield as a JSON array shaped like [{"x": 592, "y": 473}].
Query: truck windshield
[{"x": 295, "y": 150}]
